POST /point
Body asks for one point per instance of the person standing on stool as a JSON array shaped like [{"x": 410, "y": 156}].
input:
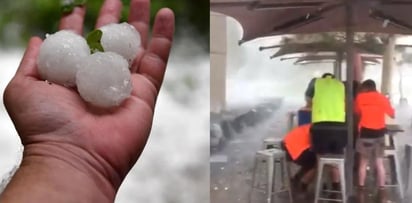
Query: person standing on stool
[
  {"x": 328, "y": 131},
  {"x": 372, "y": 107},
  {"x": 297, "y": 146}
]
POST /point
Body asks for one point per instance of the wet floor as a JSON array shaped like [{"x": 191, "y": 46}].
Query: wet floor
[{"x": 232, "y": 166}]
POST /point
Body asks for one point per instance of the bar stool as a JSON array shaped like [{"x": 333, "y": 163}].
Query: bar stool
[
  {"x": 266, "y": 160},
  {"x": 408, "y": 157},
  {"x": 338, "y": 160},
  {"x": 392, "y": 155},
  {"x": 272, "y": 142}
]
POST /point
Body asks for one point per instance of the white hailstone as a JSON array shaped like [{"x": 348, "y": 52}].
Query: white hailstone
[
  {"x": 60, "y": 55},
  {"x": 122, "y": 39},
  {"x": 104, "y": 79}
]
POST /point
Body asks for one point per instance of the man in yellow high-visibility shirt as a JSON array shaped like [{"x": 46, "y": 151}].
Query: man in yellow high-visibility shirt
[{"x": 329, "y": 133}]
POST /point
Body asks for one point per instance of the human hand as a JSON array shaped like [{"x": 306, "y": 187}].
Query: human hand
[{"x": 61, "y": 132}]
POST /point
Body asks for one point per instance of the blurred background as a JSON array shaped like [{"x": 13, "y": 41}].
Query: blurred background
[{"x": 174, "y": 166}]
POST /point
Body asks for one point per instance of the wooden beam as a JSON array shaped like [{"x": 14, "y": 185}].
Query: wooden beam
[
  {"x": 258, "y": 6},
  {"x": 349, "y": 95}
]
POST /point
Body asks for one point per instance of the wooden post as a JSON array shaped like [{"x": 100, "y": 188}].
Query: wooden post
[
  {"x": 358, "y": 67},
  {"x": 337, "y": 66},
  {"x": 349, "y": 95},
  {"x": 388, "y": 66}
]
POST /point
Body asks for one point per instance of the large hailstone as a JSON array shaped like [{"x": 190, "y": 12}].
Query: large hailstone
[
  {"x": 60, "y": 55},
  {"x": 122, "y": 39},
  {"x": 104, "y": 79}
]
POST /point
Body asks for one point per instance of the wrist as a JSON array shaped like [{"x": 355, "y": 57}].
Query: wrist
[{"x": 59, "y": 172}]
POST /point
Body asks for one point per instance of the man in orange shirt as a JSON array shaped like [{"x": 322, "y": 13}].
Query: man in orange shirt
[
  {"x": 372, "y": 107},
  {"x": 297, "y": 146}
]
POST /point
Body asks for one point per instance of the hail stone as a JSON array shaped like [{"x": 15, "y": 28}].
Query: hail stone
[
  {"x": 104, "y": 79},
  {"x": 122, "y": 39},
  {"x": 60, "y": 55}
]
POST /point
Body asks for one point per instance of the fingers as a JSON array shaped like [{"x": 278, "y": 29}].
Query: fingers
[
  {"x": 74, "y": 20},
  {"x": 28, "y": 64},
  {"x": 139, "y": 17},
  {"x": 144, "y": 89},
  {"x": 153, "y": 63},
  {"x": 109, "y": 13}
]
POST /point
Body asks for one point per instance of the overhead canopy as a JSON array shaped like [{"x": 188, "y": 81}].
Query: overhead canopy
[
  {"x": 318, "y": 58},
  {"x": 276, "y": 17},
  {"x": 316, "y": 47},
  {"x": 310, "y": 48}
]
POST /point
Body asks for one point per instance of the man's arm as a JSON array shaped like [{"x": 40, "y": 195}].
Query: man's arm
[{"x": 310, "y": 90}]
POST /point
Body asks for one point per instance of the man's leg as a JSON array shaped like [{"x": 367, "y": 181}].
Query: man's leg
[
  {"x": 335, "y": 178},
  {"x": 308, "y": 162},
  {"x": 380, "y": 169},
  {"x": 363, "y": 147},
  {"x": 363, "y": 162},
  {"x": 309, "y": 175},
  {"x": 299, "y": 174},
  {"x": 379, "y": 149}
]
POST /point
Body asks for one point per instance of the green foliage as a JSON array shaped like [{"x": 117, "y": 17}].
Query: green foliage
[
  {"x": 93, "y": 40},
  {"x": 38, "y": 17},
  {"x": 67, "y": 6}
]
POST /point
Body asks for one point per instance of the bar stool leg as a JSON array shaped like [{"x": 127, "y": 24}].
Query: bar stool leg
[
  {"x": 288, "y": 184},
  {"x": 408, "y": 150},
  {"x": 270, "y": 164},
  {"x": 253, "y": 179},
  {"x": 282, "y": 173},
  {"x": 398, "y": 175},
  {"x": 318, "y": 181},
  {"x": 342, "y": 181}
]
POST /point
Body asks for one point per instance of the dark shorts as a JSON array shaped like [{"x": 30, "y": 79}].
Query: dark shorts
[
  {"x": 372, "y": 133},
  {"x": 329, "y": 137},
  {"x": 307, "y": 160}
]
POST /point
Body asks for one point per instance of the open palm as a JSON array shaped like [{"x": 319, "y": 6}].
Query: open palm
[{"x": 53, "y": 120}]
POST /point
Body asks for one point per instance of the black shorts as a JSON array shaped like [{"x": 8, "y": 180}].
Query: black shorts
[
  {"x": 329, "y": 137},
  {"x": 372, "y": 133},
  {"x": 307, "y": 160}
]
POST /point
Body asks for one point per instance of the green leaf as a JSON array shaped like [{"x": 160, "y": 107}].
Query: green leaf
[
  {"x": 93, "y": 40},
  {"x": 67, "y": 6},
  {"x": 80, "y": 2}
]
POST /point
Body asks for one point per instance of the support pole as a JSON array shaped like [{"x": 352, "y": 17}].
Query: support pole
[
  {"x": 358, "y": 67},
  {"x": 336, "y": 70},
  {"x": 388, "y": 65},
  {"x": 339, "y": 60},
  {"x": 349, "y": 94}
]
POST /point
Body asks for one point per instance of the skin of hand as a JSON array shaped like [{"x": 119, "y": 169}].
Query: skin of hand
[{"x": 74, "y": 152}]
